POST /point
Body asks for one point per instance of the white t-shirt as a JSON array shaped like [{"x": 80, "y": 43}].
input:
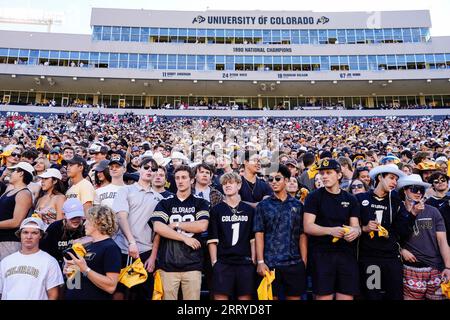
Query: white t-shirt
[
  {"x": 28, "y": 277},
  {"x": 105, "y": 195}
]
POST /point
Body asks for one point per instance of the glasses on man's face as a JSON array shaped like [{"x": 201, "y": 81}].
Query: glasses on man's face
[
  {"x": 154, "y": 169},
  {"x": 440, "y": 180},
  {"x": 277, "y": 178},
  {"x": 417, "y": 189},
  {"x": 15, "y": 155},
  {"x": 357, "y": 186}
]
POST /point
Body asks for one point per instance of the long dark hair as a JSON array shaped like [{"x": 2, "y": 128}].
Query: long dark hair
[{"x": 58, "y": 188}]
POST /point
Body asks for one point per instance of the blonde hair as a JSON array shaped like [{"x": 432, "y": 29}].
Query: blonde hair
[
  {"x": 230, "y": 176},
  {"x": 46, "y": 162},
  {"x": 104, "y": 219}
]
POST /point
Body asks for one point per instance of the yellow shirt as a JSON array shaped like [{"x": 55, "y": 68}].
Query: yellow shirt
[{"x": 83, "y": 191}]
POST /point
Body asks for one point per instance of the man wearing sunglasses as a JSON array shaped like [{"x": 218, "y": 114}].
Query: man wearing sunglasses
[
  {"x": 133, "y": 205},
  {"x": 426, "y": 254},
  {"x": 280, "y": 241},
  {"x": 381, "y": 208},
  {"x": 327, "y": 211},
  {"x": 439, "y": 184}
]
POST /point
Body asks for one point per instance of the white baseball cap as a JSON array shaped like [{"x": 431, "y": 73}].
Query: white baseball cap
[
  {"x": 51, "y": 173},
  {"x": 24, "y": 166},
  {"x": 32, "y": 222}
]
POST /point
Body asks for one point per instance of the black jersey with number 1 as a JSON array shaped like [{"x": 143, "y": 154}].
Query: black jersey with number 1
[{"x": 231, "y": 229}]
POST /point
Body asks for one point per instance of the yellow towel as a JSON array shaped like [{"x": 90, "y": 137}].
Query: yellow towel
[
  {"x": 446, "y": 289},
  {"x": 158, "y": 292},
  {"x": 312, "y": 171},
  {"x": 133, "y": 274},
  {"x": 382, "y": 232},
  {"x": 448, "y": 168},
  {"x": 40, "y": 142},
  {"x": 265, "y": 288},
  {"x": 346, "y": 230}
]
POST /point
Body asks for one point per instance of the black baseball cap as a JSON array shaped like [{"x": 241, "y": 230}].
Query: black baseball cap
[
  {"x": 77, "y": 160},
  {"x": 329, "y": 164},
  {"x": 117, "y": 159}
]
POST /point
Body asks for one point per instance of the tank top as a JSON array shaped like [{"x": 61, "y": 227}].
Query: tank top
[{"x": 7, "y": 205}]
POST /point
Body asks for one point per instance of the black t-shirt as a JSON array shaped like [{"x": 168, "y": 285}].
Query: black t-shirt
[
  {"x": 58, "y": 239},
  {"x": 254, "y": 192},
  {"x": 102, "y": 257},
  {"x": 445, "y": 212},
  {"x": 378, "y": 209},
  {"x": 173, "y": 255},
  {"x": 331, "y": 210},
  {"x": 437, "y": 202},
  {"x": 231, "y": 229}
]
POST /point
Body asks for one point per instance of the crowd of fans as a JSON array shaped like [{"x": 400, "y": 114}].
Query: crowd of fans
[{"x": 213, "y": 206}]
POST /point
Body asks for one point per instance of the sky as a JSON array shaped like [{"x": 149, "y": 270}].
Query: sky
[{"x": 75, "y": 15}]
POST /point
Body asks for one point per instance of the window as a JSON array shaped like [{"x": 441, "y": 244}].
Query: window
[
  {"x": 363, "y": 63},
  {"x": 133, "y": 61},
  {"x": 162, "y": 61},
  {"x": 181, "y": 62},
  {"x": 125, "y": 34},
  {"x": 135, "y": 34},
  {"x": 411, "y": 62},
  {"x": 172, "y": 62}
]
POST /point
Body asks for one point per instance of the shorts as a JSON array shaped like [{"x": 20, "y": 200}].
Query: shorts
[
  {"x": 190, "y": 282},
  {"x": 290, "y": 281},
  {"x": 422, "y": 283},
  {"x": 233, "y": 280},
  {"x": 335, "y": 272}
]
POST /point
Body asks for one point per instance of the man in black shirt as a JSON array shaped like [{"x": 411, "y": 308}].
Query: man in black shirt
[
  {"x": 381, "y": 268},
  {"x": 231, "y": 243},
  {"x": 253, "y": 189},
  {"x": 179, "y": 220},
  {"x": 439, "y": 184},
  {"x": 332, "y": 220}
]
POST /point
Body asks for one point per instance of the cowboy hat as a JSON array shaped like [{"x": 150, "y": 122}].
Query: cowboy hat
[
  {"x": 387, "y": 168},
  {"x": 411, "y": 180}
]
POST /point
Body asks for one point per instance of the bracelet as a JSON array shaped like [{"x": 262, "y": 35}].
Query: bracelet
[{"x": 260, "y": 261}]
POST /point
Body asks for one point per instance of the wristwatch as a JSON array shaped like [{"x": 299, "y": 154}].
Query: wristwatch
[{"x": 85, "y": 273}]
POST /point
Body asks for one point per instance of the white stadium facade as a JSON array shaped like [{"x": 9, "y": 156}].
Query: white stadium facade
[{"x": 258, "y": 59}]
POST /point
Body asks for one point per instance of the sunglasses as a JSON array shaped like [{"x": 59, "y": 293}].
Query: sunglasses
[
  {"x": 357, "y": 186},
  {"x": 154, "y": 169},
  {"x": 441, "y": 180},
  {"x": 277, "y": 178},
  {"x": 16, "y": 155},
  {"x": 417, "y": 189}
]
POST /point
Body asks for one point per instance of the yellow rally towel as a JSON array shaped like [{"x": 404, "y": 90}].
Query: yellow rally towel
[
  {"x": 303, "y": 193},
  {"x": 79, "y": 249},
  {"x": 346, "y": 230},
  {"x": 40, "y": 142},
  {"x": 382, "y": 232},
  {"x": 133, "y": 274},
  {"x": 265, "y": 288},
  {"x": 446, "y": 289},
  {"x": 158, "y": 292},
  {"x": 448, "y": 168},
  {"x": 312, "y": 171},
  {"x": 81, "y": 252}
]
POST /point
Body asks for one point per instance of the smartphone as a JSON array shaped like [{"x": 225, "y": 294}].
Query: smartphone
[{"x": 66, "y": 253}]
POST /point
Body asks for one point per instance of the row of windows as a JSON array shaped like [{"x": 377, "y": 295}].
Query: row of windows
[
  {"x": 258, "y": 36},
  {"x": 112, "y": 100},
  {"x": 222, "y": 62}
]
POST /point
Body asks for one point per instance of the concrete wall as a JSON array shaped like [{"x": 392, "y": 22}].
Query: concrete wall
[
  {"x": 185, "y": 19},
  {"x": 240, "y": 113}
]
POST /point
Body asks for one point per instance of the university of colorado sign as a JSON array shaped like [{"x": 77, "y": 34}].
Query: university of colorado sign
[{"x": 261, "y": 20}]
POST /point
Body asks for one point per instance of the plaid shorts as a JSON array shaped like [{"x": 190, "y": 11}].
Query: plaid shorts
[{"x": 422, "y": 283}]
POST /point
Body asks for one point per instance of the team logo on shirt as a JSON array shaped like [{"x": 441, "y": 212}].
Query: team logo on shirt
[
  {"x": 365, "y": 203},
  {"x": 345, "y": 204}
]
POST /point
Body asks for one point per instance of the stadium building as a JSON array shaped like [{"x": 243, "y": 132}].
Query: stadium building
[{"x": 256, "y": 59}]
